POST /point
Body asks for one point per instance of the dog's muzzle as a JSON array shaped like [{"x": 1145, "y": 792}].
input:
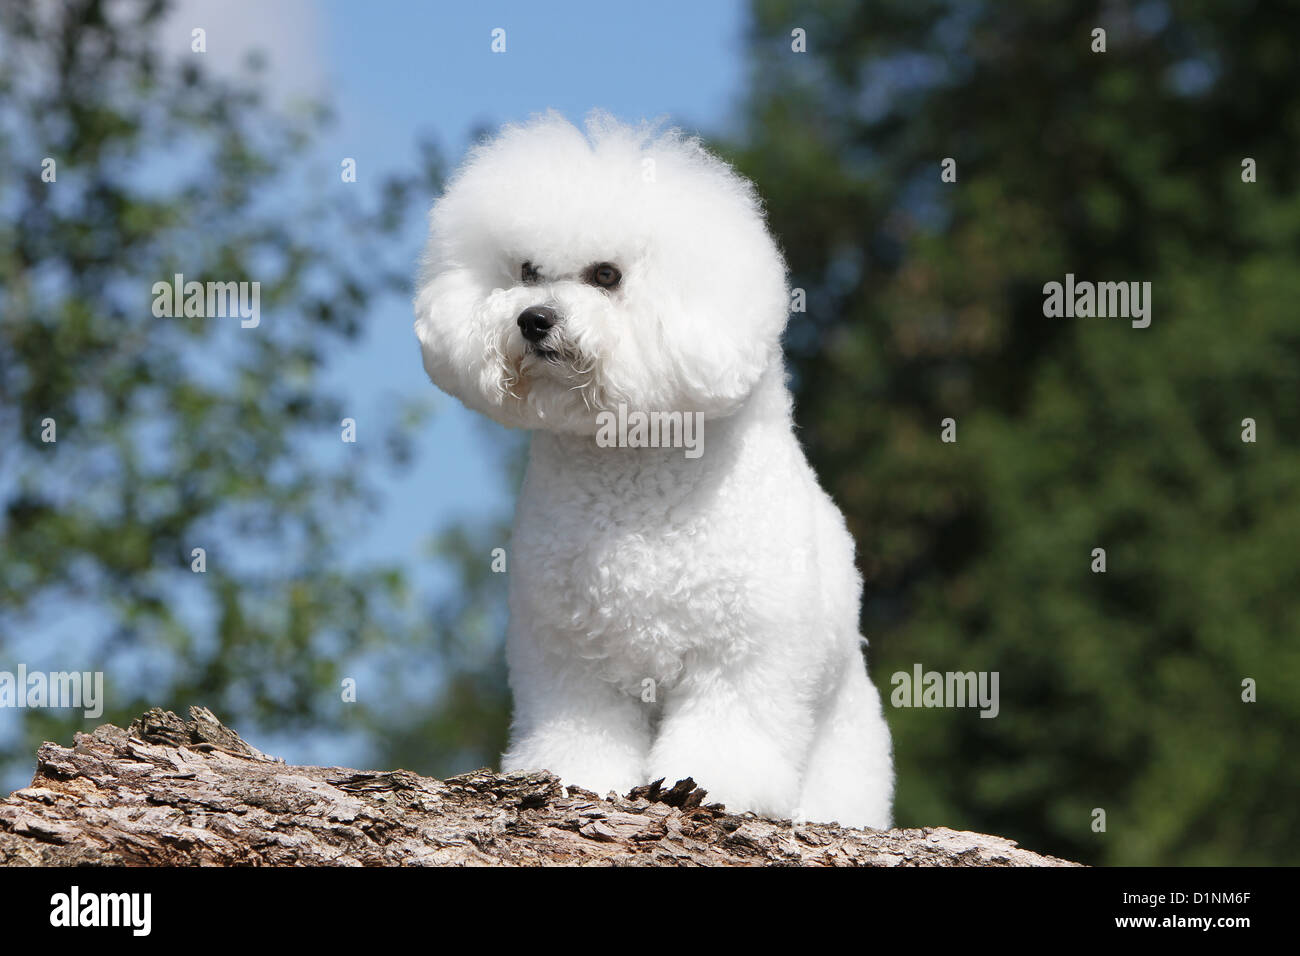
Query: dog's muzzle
[{"x": 536, "y": 322}]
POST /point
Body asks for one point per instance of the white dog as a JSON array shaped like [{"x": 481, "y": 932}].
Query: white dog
[{"x": 671, "y": 614}]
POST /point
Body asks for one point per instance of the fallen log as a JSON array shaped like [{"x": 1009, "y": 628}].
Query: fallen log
[{"x": 169, "y": 791}]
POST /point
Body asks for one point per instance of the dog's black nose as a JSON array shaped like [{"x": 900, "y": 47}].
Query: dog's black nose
[{"x": 536, "y": 321}]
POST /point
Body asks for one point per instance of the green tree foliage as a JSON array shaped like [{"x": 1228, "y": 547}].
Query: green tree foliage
[
  {"x": 1119, "y": 690},
  {"x": 178, "y": 433}
]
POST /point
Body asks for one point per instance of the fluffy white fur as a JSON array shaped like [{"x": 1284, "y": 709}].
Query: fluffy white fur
[{"x": 727, "y": 580}]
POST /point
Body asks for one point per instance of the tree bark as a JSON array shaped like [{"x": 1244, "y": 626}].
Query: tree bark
[{"x": 168, "y": 791}]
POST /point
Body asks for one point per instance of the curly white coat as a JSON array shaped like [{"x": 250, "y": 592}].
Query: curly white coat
[{"x": 670, "y": 616}]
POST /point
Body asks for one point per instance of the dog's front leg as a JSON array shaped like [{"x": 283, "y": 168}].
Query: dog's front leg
[
  {"x": 742, "y": 739},
  {"x": 569, "y": 721}
]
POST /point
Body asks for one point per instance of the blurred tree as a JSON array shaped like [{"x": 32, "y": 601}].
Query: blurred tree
[
  {"x": 1122, "y": 690},
  {"x": 180, "y": 433}
]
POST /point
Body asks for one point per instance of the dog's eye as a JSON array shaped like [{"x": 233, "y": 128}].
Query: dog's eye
[
  {"x": 605, "y": 275},
  {"x": 528, "y": 272}
]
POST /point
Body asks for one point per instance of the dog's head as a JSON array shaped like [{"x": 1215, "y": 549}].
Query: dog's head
[{"x": 567, "y": 273}]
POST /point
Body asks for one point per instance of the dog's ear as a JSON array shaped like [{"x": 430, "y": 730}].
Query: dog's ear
[
  {"x": 717, "y": 372},
  {"x": 453, "y": 354},
  {"x": 719, "y": 277},
  {"x": 722, "y": 317}
]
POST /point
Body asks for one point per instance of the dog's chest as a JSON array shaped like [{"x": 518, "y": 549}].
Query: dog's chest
[{"x": 640, "y": 582}]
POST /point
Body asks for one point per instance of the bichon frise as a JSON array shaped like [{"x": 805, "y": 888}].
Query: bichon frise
[{"x": 683, "y": 597}]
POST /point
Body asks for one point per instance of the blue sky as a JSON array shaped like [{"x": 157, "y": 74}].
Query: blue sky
[{"x": 393, "y": 70}]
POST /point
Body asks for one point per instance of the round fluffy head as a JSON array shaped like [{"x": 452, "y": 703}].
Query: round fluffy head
[{"x": 568, "y": 273}]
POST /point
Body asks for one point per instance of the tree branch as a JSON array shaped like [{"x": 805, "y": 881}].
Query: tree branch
[{"x": 168, "y": 791}]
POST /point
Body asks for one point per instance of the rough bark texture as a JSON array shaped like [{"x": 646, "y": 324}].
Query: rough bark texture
[{"x": 191, "y": 792}]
